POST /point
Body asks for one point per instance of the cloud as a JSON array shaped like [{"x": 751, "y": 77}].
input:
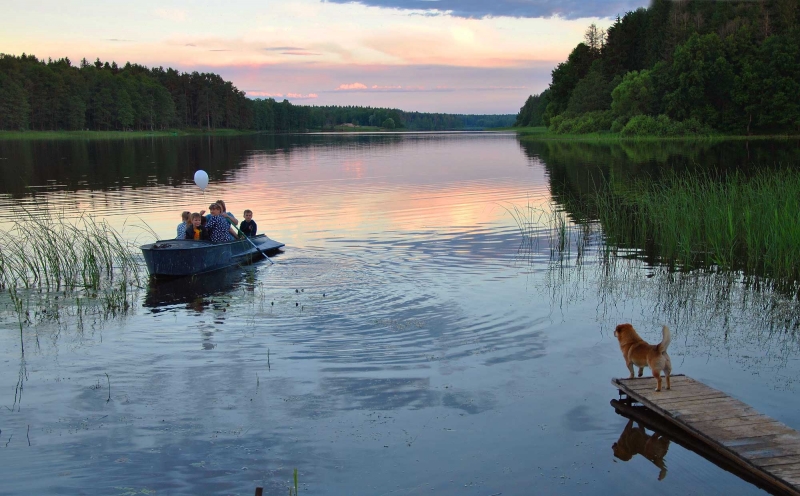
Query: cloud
[
  {"x": 351, "y": 87},
  {"x": 283, "y": 48},
  {"x": 290, "y": 96},
  {"x": 300, "y": 96},
  {"x": 262, "y": 94},
  {"x": 299, "y": 52},
  {"x": 117, "y": 40},
  {"x": 176, "y": 15},
  {"x": 567, "y": 9}
]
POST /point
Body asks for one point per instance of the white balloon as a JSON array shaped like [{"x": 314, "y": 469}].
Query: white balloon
[{"x": 201, "y": 179}]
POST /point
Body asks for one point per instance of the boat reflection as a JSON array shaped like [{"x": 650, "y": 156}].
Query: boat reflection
[{"x": 193, "y": 291}]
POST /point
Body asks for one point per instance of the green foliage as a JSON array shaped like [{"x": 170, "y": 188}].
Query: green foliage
[
  {"x": 388, "y": 123},
  {"x": 532, "y": 113},
  {"x": 731, "y": 66},
  {"x": 14, "y": 108},
  {"x": 633, "y": 96},
  {"x": 645, "y": 125},
  {"x": 590, "y": 122},
  {"x": 592, "y": 93}
]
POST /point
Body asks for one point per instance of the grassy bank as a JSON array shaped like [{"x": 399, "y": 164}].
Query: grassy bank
[
  {"x": 737, "y": 223},
  {"x": 541, "y": 133},
  {"x": 108, "y": 135}
]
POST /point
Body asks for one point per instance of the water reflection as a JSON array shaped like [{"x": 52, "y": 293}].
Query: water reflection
[
  {"x": 193, "y": 291},
  {"x": 636, "y": 441}
]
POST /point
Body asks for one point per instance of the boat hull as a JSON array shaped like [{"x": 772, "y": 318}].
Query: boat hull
[{"x": 186, "y": 257}]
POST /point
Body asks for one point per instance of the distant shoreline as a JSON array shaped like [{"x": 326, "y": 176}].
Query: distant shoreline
[
  {"x": 101, "y": 135},
  {"x": 115, "y": 135}
]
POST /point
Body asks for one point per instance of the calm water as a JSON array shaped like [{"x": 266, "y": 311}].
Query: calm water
[{"x": 409, "y": 340}]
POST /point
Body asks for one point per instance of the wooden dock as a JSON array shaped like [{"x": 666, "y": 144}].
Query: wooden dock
[{"x": 756, "y": 445}]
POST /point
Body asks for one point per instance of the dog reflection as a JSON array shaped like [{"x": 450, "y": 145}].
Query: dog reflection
[{"x": 636, "y": 441}]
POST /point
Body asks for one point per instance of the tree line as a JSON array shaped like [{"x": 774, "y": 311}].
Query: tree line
[
  {"x": 58, "y": 95},
  {"x": 680, "y": 67}
]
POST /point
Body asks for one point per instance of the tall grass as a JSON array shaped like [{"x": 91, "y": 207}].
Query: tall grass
[
  {"x": 49, "y": 253},
  {"x": 552, "y": 225},
  {"x": 742, "y": 223}
]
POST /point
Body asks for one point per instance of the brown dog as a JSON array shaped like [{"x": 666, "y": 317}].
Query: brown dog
[{"x": 638, "y": 352}]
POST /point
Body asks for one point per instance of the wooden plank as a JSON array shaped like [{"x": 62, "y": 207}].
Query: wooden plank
[
  {"x": 751, "y": 430},
  {"x": 778, "y": 460},
  {"x": 715, "y": 416},
  {"x": 688, "y": 400},
  {"x": 731, "y": 421},
  {"x": 650, "y": 382},
  {"x": 719, "y": 406},
  {"x": 673, "y": 395}
]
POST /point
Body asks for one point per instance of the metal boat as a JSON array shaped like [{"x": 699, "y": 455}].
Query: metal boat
[{"x": 186, "y": 257}]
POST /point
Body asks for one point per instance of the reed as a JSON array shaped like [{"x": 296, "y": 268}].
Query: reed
[
  {"x": 748, "y": 224},
  {"x": 55, "y": 253},
  {"x": 44, "y": 253}
]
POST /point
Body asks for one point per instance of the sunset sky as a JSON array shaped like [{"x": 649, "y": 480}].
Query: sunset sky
[{"x": 455, "y": 56}]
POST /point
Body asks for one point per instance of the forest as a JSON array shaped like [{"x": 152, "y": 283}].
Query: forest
[
  {"x": 101, "y": 96},
  {"x": 680, "y": 67}
]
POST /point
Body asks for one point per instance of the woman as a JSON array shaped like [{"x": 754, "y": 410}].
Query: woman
[{"x": 217, "y": 226}]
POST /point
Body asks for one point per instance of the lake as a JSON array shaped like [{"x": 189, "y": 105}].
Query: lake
[{"x": 413, "y": 337}]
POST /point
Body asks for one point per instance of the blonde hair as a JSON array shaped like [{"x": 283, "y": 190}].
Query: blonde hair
[
  {"x": 196, "y": 216},
  {"x": 185, "y": 216}
]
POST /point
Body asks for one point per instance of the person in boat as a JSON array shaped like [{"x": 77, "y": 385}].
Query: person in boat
[
  {"x": 227, "y": 216},
  {"x": 198, "y": 231},
  {"x": 219, "y": 230},
  {"x": 185, "y": 225},
  {"x": 248, "y": 226}
]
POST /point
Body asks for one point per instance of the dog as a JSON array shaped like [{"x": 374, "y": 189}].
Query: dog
[
  {"x": 636, "y": 441},
  {"x": 637, "y": 351}
]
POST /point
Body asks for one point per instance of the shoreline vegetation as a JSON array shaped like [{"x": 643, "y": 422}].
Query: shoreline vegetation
[
  {"x": 542, "y": 133},
  {"x": 677, "y": 69},
  {"x": 169, "y": 133}
]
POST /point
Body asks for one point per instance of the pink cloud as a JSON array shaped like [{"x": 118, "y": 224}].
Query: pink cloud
[
  {"x": 352, "y": 86},
  {"x": 299, "y": 96},
  {"x": 263, "y": 94}
]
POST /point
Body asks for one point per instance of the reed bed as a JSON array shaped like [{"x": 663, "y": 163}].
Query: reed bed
[
  {"x": 45, "y": 253},
  {"x": 748, "y": 224}
]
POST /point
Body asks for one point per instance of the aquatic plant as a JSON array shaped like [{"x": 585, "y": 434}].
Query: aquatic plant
[
  {"x": 552, "y": 224},
  {"x": 739, "y": 223},
  {"x": 43, "y": 255},
  {"x": 55, "y": 253}
]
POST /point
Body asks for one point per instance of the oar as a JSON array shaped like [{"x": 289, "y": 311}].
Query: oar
[{"x": 251, "y": 242}]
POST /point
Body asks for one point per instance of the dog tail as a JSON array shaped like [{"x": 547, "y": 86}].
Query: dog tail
[{"x": 666, "y": 337}]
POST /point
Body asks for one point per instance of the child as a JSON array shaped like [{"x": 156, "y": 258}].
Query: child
[
  {"x": 184, "y": 226},
  {"x": 248, "y": 226},
  {"x": 197, "y": 232},
  {"x": 225, "y": 215},
  {"x": 217, "y": 226}
]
